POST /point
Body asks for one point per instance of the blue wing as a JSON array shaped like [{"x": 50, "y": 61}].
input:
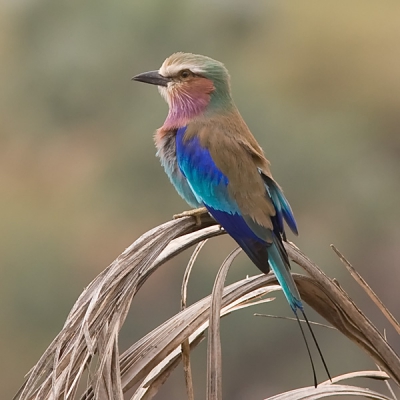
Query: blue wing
[
  {"x": 166, "y": 145},
  {"x": 207, "y": 182},
  {"x": 210, "y": 187}
]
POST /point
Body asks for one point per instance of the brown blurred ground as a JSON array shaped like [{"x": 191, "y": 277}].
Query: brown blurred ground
[{"x": 318, "y": 84}]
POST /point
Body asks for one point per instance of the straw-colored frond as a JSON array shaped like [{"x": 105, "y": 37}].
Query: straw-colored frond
[{"x": 90, "y": 334}]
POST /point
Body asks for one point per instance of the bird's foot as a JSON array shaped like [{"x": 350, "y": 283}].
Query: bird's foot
[{"x": 196, "y": 213}]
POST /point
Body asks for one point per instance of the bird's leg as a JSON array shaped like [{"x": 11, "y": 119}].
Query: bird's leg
[{"x": 196, "y": 213}]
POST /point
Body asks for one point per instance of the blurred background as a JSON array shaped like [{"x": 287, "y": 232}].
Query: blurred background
[{"x": 318, "y": 84}]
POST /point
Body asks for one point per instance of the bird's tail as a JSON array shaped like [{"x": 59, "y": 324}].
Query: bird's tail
[
  {"x": 259, "y": 252},
  {"x": 279, "y": 263},
  {"x": 277, "y": 258},
  {"x": 264, "y": 254}
]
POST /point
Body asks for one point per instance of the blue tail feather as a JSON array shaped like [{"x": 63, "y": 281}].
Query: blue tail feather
[{"x": 281, "y": 267}]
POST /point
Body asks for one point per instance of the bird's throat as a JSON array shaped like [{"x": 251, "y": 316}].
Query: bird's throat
[{"x": 187, "y": 102}]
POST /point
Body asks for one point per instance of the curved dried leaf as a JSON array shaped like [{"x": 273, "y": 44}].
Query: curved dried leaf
[
  {"x": 153, "y": 381},
  {"x": 93, "y": 324},
  {"x": 185, "y": 344},
  {"x": 140, "y": 358},
  {"x": 187, "y": 370},
  {"x": 379, "y": 375},
  {"x": 101, "y": 310},
  {"x": 172, "y": 360},
  {"x": 214, "y": 357},
  {"x": 312, "y": 393},
  {"x": 372, "y": 295},
  {"x": 335, "y": 305}
]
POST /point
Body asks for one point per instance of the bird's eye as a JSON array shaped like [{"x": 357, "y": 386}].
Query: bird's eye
[{"x": 185, "y": 73}]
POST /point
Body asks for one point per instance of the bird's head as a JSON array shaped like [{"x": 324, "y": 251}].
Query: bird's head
[{"x": 192, "y": 85}]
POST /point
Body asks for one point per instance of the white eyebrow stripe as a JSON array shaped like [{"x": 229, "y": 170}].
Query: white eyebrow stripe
[{"x": 171, "y": 70}]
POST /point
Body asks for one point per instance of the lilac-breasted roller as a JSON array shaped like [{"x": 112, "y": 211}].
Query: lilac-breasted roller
[{"x": 214, "y": 161}]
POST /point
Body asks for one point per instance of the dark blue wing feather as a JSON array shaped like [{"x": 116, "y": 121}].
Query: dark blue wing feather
[
  {"x": 253, "y": 246},
  {"x": 282, "y": 206}
]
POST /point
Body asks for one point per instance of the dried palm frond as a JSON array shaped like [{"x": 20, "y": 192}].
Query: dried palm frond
[
  {"x": 329, "y": 388},
  {"x": 312, "y": 393},
  {"x": 372, "y": 295},
  {"x": 89, "y": 338}
]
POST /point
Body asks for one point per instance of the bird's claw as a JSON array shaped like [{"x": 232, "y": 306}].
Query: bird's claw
[{"x": 196, "y": 213}]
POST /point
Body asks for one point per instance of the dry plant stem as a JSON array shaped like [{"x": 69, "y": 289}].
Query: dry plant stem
[
  {"x": 214, "y": 358},
  {"x": 187, "y": 369},
  {"x": 95, "y": 320},
  {"x": 379, "y": 375},
  {"x": 333, "y": 303},
  {"x": 312, "y": 393},
  {"x": 188, "y": 271},
  {"x": 150, "y": 386},
  {"x": 372, "y": 295},
  {"x": 294, "y": 319},
  {"x": 102, "y": 307},
  {"x": 196, "y": 337},
  {"x": 166, "y": 337},
  {"x": 388, "y": 383},
  {"x": 185, "y": 345}
]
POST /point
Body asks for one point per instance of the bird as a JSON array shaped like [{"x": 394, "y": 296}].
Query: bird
[{"x": 215, "y": 162}]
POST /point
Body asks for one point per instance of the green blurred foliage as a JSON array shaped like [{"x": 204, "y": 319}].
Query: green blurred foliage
[{"x": 317, "y": 82}]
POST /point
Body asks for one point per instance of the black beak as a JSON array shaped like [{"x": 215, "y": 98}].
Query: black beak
[{"x": 152, "y": 77}]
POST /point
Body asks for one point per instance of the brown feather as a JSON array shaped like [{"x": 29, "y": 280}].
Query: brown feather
[{"x": 237, "y": 154}]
